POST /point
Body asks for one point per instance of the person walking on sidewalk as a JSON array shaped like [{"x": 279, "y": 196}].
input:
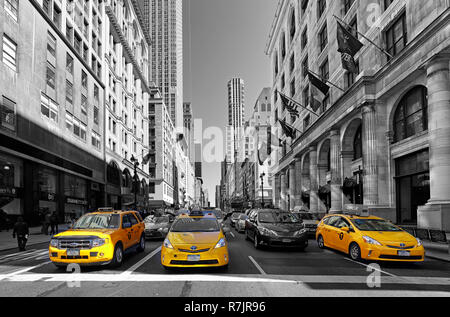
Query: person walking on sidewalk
[
  {"x": 47, "y": 222},
  {"x": 54, "y": 223},
  {"x": 22, "y": 232}
]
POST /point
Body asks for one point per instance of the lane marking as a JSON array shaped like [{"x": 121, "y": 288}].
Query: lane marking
[
  {"x": 232, "y": 234},
  {"x": 22, "y": 253},
  {"x": 17, "y": 273},
  {"x": 367, "y": 266},
  {"x": 141, "y": 262},
  {"x": 257, "y": 265}
]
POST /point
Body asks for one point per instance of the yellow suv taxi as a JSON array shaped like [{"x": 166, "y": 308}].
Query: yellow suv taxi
[
  {"x": 195, "y": 240},
  {"x": 99, "y": 238},
  {"x": 368, "y": 238}
]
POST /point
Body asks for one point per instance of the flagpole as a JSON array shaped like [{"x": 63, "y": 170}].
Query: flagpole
[
  {"x": 326, "y": 80},
  {"x": 370, "y": 41},
  {"x": 299, "y": 104}
]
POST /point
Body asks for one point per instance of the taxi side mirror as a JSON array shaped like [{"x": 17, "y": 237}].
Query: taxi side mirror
[{"x": 347, "y": 229}]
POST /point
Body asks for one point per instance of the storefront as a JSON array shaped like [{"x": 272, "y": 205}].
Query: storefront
[
  {"x": 11, "y": 170},
  {"x": 413, "y": 186}
]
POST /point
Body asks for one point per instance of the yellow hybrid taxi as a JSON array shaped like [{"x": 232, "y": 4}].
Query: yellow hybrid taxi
[
  {"x": 99, "y": 238},
  {"x": 368, "y": 238},
  {"x": 195, "y": 240}
]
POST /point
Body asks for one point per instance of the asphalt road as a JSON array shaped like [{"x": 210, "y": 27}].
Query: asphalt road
[{"x": 251, "y": 273}]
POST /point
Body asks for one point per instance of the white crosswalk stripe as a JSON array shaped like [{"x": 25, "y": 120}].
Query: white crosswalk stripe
[{"x": 23, "y": 256}]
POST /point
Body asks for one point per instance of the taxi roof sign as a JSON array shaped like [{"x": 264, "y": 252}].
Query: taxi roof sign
[
  {"x": 356, "y": 210},
  {"x": 105, "y": 209}
]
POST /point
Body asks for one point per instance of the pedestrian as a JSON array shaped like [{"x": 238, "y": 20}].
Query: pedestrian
[
  {"x": 54, "y": 223},
  {"x": 47, "y": 222},
  {"x": 21, "y": 231}
]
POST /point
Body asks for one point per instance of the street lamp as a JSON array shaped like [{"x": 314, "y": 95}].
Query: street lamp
[
  {"x": 262, "y": 189},
  {"x": 136, "y": 164}
]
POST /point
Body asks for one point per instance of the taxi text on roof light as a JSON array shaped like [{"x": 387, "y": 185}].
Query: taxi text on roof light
[
  {"x": 196, "y": 213},
  {"x": 105, "y": 209}
]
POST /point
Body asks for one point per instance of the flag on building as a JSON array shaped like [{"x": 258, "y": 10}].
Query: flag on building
[
  {"x": 263, "y": 153},
  {"x": 287, "y": 129},
  {"x": 290, "y": 105},
  {"x": 318, "y": 91},
  {"x": 146, "y": 159},
  {"x": 349, "y": 45}
]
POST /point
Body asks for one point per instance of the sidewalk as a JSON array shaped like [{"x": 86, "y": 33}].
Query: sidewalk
[
  {"x": 36, "y": 237},
  {"x": 439, "y": 251}
]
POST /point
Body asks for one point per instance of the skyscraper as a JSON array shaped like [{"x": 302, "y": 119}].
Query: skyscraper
[
  {"x": 236, "y": 116},
  {"x": 163, "y": 21}
]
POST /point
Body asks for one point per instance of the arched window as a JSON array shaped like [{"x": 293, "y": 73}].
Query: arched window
[
  {"x": 357, "y": 144},
  {"x": 275, "y": 62},
  {"x": 113, "y": 174},
  {"x": 411, "y": 116},
  {"x": 126, "y": 179},
  {"x": 283, "y": 45}
]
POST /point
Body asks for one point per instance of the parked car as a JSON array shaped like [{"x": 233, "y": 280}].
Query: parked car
[
  {"x": 274, "y": 227},
  {"x": 240, "y": 224},
  {"x": 234, "y": 218},
  {"x": 310, "y": 221},
  {"x": 157, "y": 227}
]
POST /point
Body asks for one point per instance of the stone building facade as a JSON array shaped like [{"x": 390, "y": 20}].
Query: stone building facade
[{"x": 383, "y": 139}]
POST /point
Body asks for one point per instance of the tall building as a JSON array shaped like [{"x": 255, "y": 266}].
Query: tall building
[
  {"x": 188, "y": 122},
  {"x": 127, "y": 97},
  {"x": 52, "y": 88},
  {"x": 383, "y": 140},
  {"x": 236, "y": 116},
  {"x": 164, "y": 23}
]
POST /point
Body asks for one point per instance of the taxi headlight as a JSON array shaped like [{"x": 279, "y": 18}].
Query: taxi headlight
[
  {"x": 167, "y": 244},
  {"x": 370, "y": 240},
  {"x": 54, "y": 243},
  {"x": 419, "y": 242},
  {"x": 220, "y": 244},
  {"x": 98, "y": 242}
]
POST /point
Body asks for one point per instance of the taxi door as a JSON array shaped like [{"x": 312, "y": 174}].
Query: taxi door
[
  {"x": 341, "y": 238},
  {"x": 135, "y": 229},
  {"x": 127, "y": 231},
  {"x": 329, "y": 231}
]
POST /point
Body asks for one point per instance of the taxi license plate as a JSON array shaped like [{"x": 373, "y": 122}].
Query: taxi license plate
[
  {"x": 404, "y": 253},
  {"x": 73, "y": 252},
  {"x": 287, "y": 240},
  {"x": 193, "y": 258}
]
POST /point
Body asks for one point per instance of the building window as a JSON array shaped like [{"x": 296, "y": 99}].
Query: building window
[
  {"x": 321, "y": 6},
  {"x": 77, "y": 127},
  {"x": 323, "y": 38},
  {"x": 325, "y": 70},
  {"x": 292, "y": 63},
  {"x": 50, "y": 77},
  {"x": 293, "y": 87},
  {"x": 396, "y": 36},
  {"x": 51, "y": 44},
  {"x": 69, "y": 64},
  {"x": 292, "y": 26},
  {"x": 96, "y": 115},
  {"x": 12, "y": 7},
  {"x": 84, "y": 80},
  {"x": 347, "y": 5},
  {"x": 350, "y": 77},
  {"x": 283, "y": 46},
  {"x": 8, "y": 114},
  {"x": 306, "y": 122},
  {"x": 69, "y": 92},
  {"x": 49, "y": 108},
  {"x": 9, "y": 53},
  {"x": 357, "y": 145},
  {"x": 387, "y": 3},
  {"x": 84, "y": 105},
  {"x": 411, "y": 115},
  {"x": 304, "y": 39},
  {"x": 96, "y": 140}
]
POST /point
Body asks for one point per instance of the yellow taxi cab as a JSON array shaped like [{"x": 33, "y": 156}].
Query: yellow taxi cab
[
  {"x": 99, "y": 238},
  {"x": 368, "y": 238},
  {"x": 195, "y": 240}
]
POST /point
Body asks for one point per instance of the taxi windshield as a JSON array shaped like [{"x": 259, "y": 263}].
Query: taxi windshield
[
  {"x": 98, "y": 221},
  {"x": 374, "y": 225},
  {"x": 195, "y": 225},
  {"x": 278, "y": 217}
]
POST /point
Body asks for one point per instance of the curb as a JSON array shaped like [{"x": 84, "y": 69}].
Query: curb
[{"x": 435, "y": 257}]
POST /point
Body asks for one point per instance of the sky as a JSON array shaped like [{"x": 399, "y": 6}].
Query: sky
[{"x": 224, "y": 39}]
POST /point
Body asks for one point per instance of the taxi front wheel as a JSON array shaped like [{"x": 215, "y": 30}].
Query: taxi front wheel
[
  {"x": 355, "y": 252},
  {"x": 141, "y": 247},
  {"x": 118, "y": 256},
  {"x": 320, "y": 242}
]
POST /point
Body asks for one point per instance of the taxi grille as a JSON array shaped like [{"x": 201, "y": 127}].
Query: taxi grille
[
  {"x": 193, "y": 251},
  {"x": 400, "y": 248},
  {"x": 397, "y": 257},
  {"x": 76, "y": 257},
  {"x": 75, "y": 244}
]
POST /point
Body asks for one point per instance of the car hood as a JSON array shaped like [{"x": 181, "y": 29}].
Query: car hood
[
  {"x": 310, "y": 222},
  {"x": 150, "y": 226},
  {"x": 393, "y": 237},
  {"x": 283, "y": 227},
  {"x": 182, "y": 238},
  {"x": 84, "y": 233}
]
